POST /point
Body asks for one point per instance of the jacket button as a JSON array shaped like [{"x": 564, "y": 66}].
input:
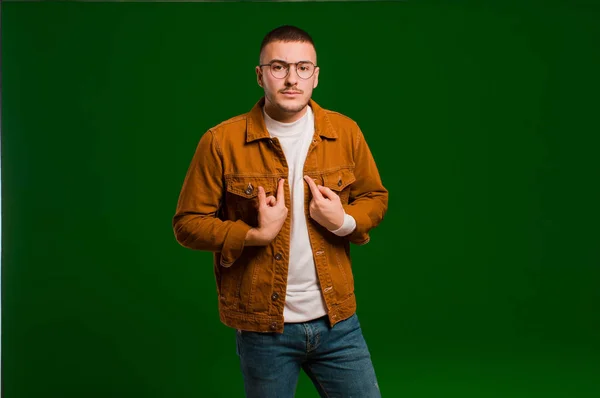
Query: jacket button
[
  {"x": 248, "y": 191},
  {"x": 273, "y": 326},
  {"x": 278, "y": 256},
  {"x": 339, "y": 183},
  {"x": 275, "y": 296}
]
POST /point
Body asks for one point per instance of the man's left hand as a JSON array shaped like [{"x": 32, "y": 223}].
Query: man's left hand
[{"x": 325, "y": 206}]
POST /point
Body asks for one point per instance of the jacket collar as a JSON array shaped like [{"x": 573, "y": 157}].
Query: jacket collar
[{"x": 257, "y": 129}]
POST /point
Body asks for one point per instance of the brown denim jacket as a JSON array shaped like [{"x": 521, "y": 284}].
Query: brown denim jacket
[{"x": 218, "y": 205}]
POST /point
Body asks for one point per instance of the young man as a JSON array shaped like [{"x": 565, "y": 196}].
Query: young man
[{"x": 278, "y": 194}]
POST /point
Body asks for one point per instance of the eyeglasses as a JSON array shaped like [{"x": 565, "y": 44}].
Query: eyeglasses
[{"x": 280, "y": 69}]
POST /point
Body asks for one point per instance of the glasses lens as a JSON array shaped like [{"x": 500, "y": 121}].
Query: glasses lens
[
  {"x": 279, "y": 70},
  {"x": 305, "y": 70}
]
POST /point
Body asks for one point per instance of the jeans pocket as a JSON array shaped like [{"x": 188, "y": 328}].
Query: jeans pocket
[{"x": 349, "y": 324}]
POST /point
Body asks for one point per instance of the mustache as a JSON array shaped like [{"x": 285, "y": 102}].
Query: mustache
[{"x": 295, "y": 90}]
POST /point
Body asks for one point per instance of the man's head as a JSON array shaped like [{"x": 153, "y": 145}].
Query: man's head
[{"x": 287, "y": 72}]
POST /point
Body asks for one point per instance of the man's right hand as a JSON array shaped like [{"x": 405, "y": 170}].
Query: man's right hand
[{"x": 272, "y": 213}]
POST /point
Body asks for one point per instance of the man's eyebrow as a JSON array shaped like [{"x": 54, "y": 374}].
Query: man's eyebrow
[{"x": 285, "y": 62}]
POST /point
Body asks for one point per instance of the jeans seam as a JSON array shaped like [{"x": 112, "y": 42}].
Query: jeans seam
[
  {"x": 318, "y": 381},
  {"x": 307, "y": 335}
]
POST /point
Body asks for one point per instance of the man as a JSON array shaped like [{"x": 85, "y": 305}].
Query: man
[{"x": 278, "y": 194}]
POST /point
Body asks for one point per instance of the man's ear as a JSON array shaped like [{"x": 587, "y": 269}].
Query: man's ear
[
  {"x": 259, "y": 76},
  {"x": 316, "y": 81}
]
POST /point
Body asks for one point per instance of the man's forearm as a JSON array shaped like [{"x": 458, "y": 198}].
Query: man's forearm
[{"x": 207, "y": 233}]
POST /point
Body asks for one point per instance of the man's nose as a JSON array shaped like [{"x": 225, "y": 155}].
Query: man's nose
[{"x": 292, "y": 77}]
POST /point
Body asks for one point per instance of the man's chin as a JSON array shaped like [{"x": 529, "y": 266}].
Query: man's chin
[{"x": 292, "y": 108}]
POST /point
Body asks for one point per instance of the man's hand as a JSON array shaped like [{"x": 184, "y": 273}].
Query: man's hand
[
  {"x": 325, "y": 206},
  {"x": 272, "y": 213}
]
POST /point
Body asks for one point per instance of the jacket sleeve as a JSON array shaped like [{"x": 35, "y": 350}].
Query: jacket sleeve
[
  {"x": 195, "y": 223},
  {"x": 368, "y": 201}
]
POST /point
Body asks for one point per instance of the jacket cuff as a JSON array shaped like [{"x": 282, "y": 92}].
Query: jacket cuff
[
  {"x": 234, "y": 243},
  {"x": 360, "y": 235}
]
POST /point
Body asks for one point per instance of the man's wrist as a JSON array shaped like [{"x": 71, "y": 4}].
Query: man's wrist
[
  {"x": 254, "y": 238},
  {"x": 347, "y": 227}
]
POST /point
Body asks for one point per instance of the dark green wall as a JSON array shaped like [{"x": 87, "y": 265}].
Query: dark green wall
[{"x": 482, "y": 281}]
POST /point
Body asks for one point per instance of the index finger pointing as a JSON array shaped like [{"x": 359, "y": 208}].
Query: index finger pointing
[
  {"x": 261, "y": 196},
  {"x": 313, "y": 187},
  {"x": 280, "y": 192}
]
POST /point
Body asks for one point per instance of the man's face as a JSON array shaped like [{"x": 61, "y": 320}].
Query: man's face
[{"x": 286, "y": 98}]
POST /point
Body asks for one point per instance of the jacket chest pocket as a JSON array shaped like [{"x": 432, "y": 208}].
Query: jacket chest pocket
[
  {"x": 242, "y": 197},
  {"x": 339, "y": 181}
]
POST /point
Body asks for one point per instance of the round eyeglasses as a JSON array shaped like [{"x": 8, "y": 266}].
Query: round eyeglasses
[{"x": 280, "y": 69}]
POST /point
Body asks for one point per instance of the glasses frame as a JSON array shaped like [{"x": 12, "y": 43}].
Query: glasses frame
[{"x": 289, "y": 64}]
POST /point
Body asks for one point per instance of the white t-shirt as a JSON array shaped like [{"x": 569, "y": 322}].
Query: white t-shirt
[{"x": 303, "y": 301}]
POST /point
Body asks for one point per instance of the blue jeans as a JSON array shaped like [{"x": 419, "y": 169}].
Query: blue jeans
[{"x": 336, "y": 359}]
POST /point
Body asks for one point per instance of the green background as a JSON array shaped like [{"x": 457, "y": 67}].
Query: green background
[{"x": 482, "y": 281}]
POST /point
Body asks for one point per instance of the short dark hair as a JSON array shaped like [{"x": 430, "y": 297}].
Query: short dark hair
[{"x": 286, "y": 33}]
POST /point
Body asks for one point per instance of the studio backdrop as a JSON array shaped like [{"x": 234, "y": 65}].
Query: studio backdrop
[{"x": 481, "y": 281}]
